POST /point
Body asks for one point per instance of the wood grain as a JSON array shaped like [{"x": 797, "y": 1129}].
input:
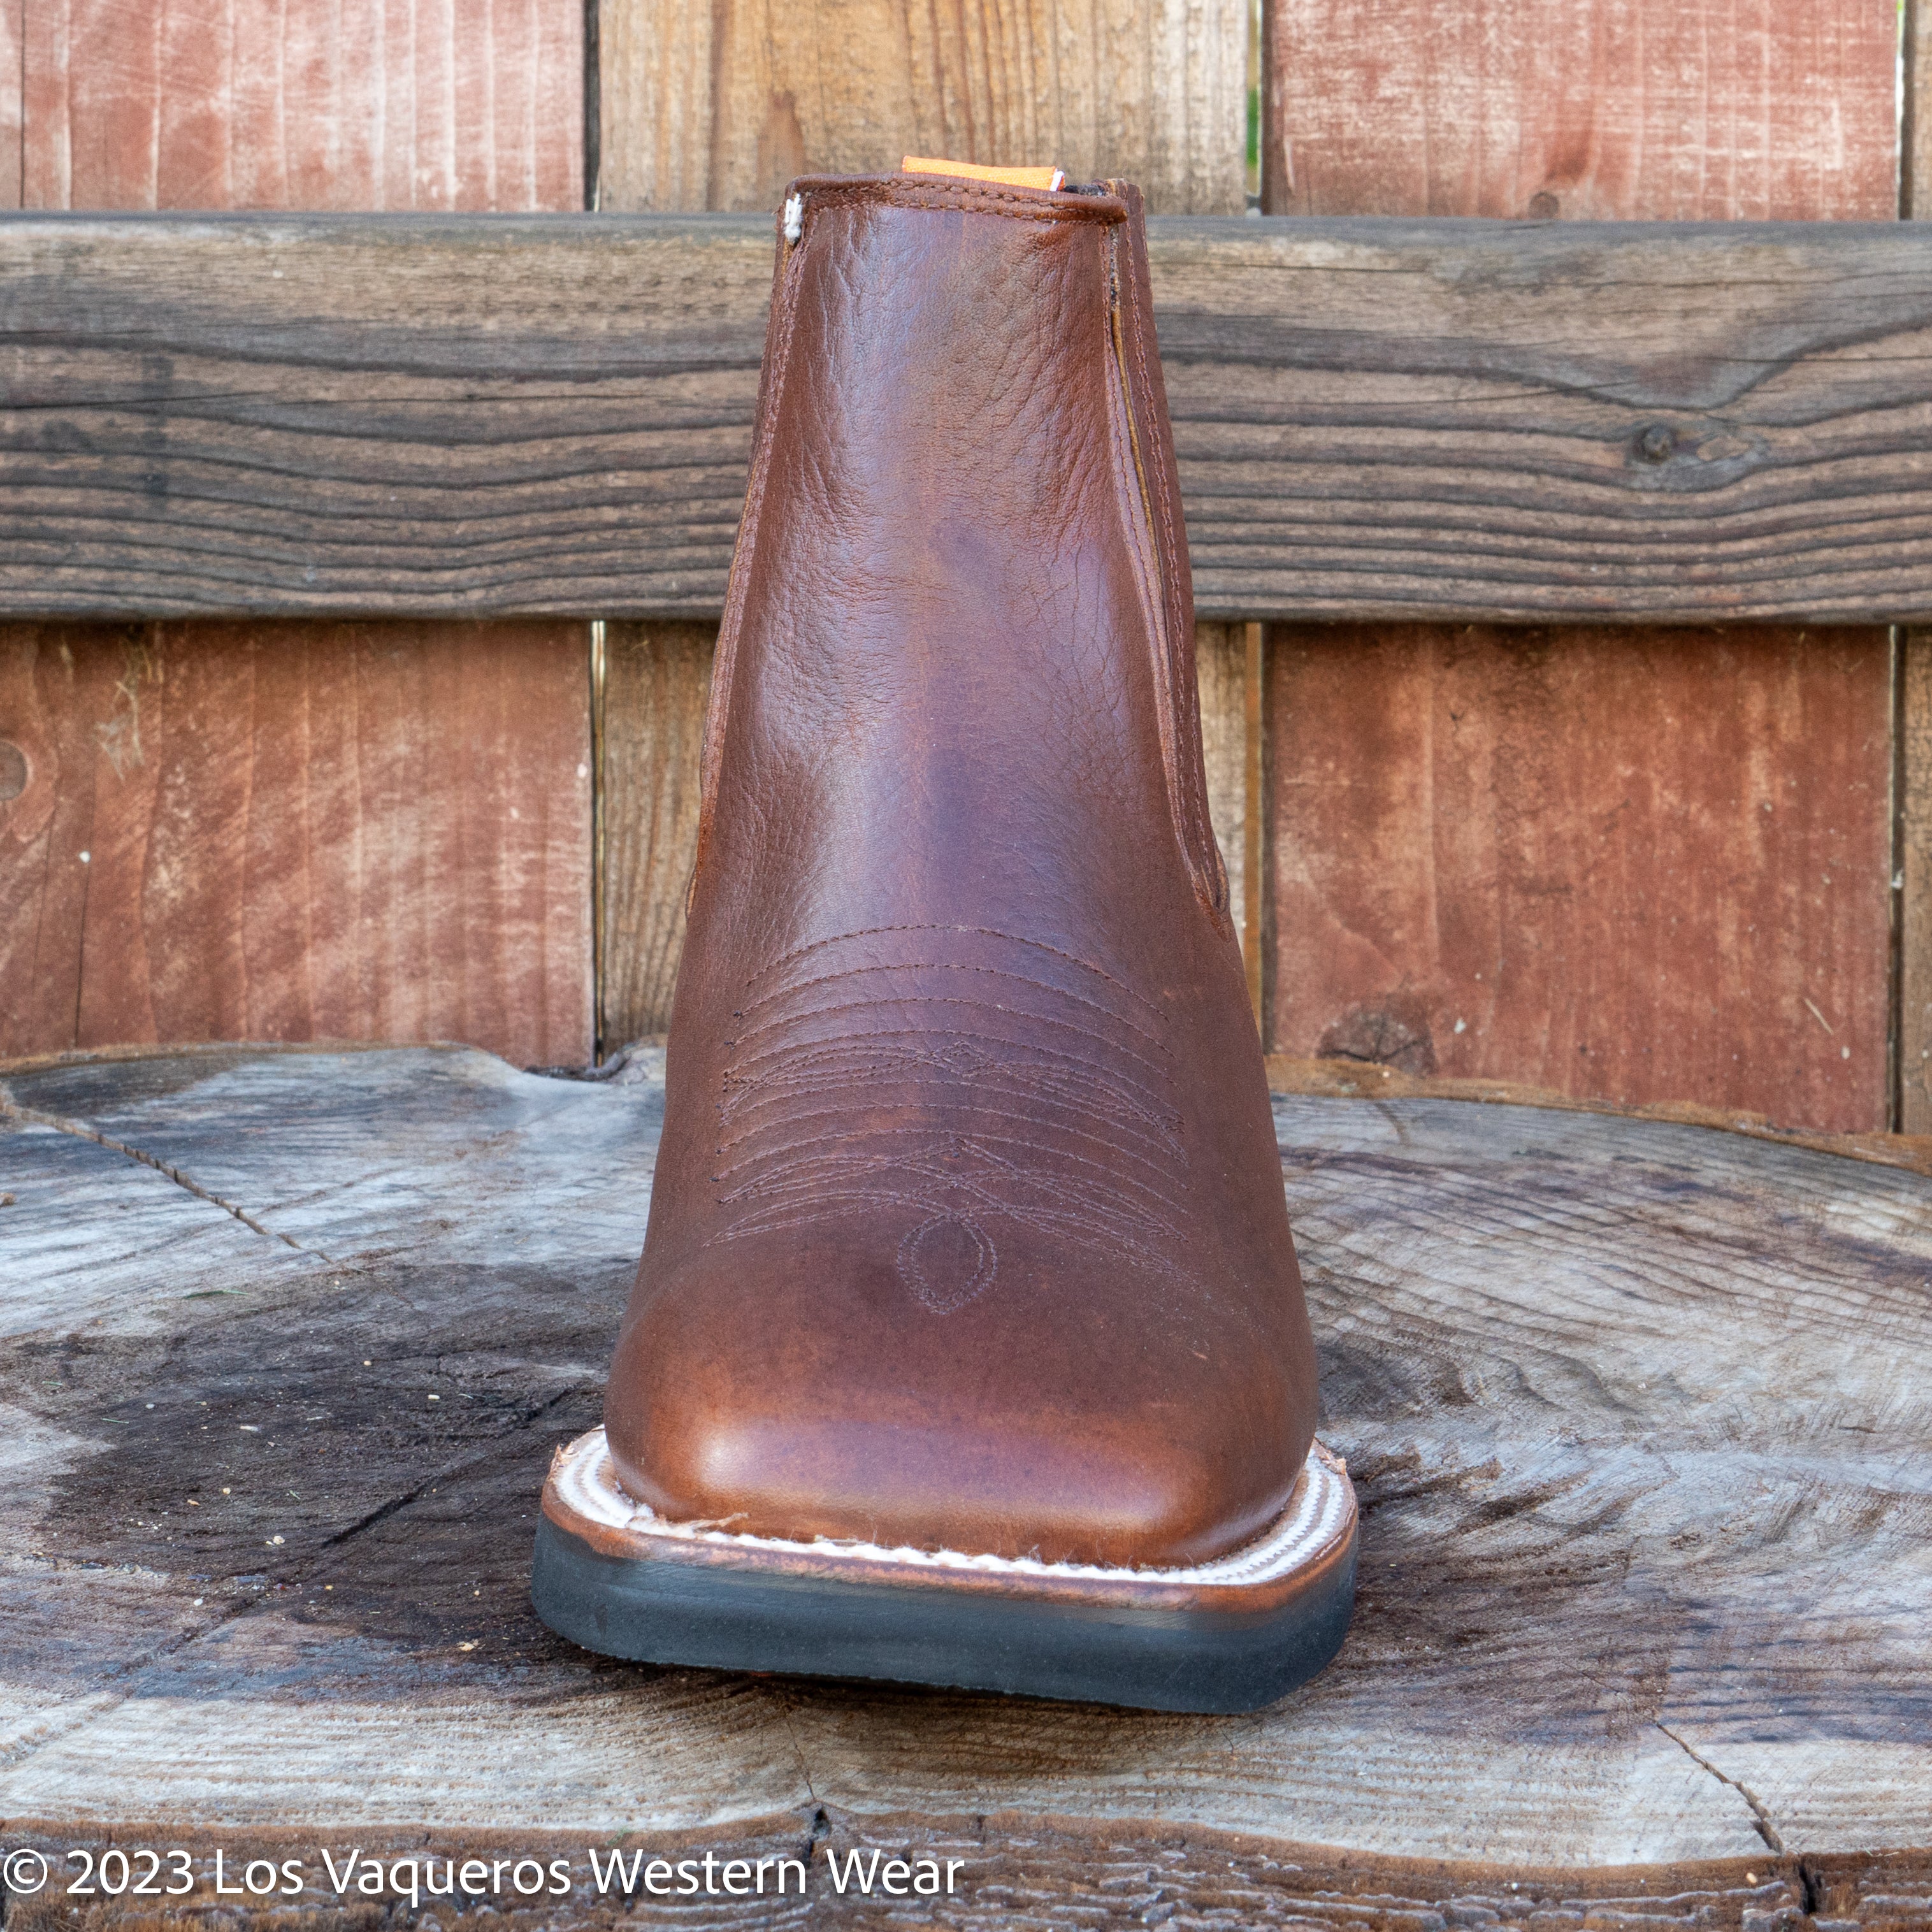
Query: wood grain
[
  {"x": 1667, "y": 110},
  {"x": 1914, "y": 726},
  {"x": 285, "y": 831},
  {"x": 13, "y": 27},
  {"x": 1221, "y": 671},
  {"x": 1019, "y": 1874},
  {"x": 290, "y": 831},
  {"x": 1376, "y": 1080},
  {"x": 1915, "y": 132},
  {"x": 1639, "y": 866},
  {"x": 1627, "y": 1401},
  {"x": 709, "y": 107},
  {"x": 452, "y": 415},
  {"x": 1650, "y": 111},
  {"x": 256, "y": 104},
  {"x": 657, "y": 683}
]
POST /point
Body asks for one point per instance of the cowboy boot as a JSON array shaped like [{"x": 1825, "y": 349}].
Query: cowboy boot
[{"x": 968, "y": 1345}]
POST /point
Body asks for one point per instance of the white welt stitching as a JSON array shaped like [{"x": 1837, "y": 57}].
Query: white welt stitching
[{"x": 585, "y": 1479}]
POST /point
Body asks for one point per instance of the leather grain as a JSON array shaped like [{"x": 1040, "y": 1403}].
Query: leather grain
[{"x": 967, "y": 1231}]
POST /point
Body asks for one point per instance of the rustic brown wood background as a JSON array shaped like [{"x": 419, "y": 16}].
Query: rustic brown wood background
[
  {"x": 1638, "y": 865},
  {"x": 1644, "y": 867},
  {"x": 291, "y": 832},
  {"x": 434, "y": 415}
]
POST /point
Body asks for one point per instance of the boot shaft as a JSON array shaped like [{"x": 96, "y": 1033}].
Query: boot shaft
[{"x": 961, "y": 546}]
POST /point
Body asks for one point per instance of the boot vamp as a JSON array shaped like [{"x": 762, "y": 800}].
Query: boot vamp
[
  {"x": 977, "y": 1260},
  {"x": 1042, "y": 1420}
]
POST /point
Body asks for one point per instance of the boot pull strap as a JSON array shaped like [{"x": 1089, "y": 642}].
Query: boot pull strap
[{"x": 1049, "y": 179}]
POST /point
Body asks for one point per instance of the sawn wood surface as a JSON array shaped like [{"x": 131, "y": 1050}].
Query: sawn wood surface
[
  {"x": 1544, "y": 856},
  {"x": 264, "y": 829},
  {"x": 703, "y": 107},
  {"x": 277, "y": 830},
  {"x": 1634, "y": 1409},
  {"x": 258, "y": 103},
  {"x": 1680, "y": 110},
  {"x": 451, "y": 415},
  {"x": 1636, "y": 866}
]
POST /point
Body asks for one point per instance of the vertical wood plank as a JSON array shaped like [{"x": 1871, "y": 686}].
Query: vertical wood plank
[
  {"x": 1227, "y": 659},
  {"x": 1523, "y": 810},
  {"x": 1913, "y": 747},
  {"x": 657, "y": 681},
  {"x": 1462, "y": 890},
  {"x": 657, "y": 684},
  {"x": 1914, "y": 134},
  {"x": 718, "y": 107},
  {"x": 1221, "y": 667},
  {"x": 1254, "y": 841},
  {"x": 1915, "y": 861},
  {"x": 1661, "y": 110},
  {"x": 13, "y": 30},
  {"x": 293, "y": 832},
  {"x": 254, "y": 104}
]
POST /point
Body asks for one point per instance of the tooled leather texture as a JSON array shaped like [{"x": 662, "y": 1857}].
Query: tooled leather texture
[{"x": 968, "y": 1228}]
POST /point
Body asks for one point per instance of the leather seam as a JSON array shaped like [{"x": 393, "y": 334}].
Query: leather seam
[
  {"x": 1186, "y": 704},
  {"x": 711, "y": 757},
  {"x": 1147, "y": 572},
  {"x": 1020, "y": 205},
  {"x": 1183, "y": 807}
]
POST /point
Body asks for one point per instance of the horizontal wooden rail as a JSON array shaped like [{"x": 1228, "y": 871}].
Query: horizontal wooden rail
[{"x": 475, "y": 414}]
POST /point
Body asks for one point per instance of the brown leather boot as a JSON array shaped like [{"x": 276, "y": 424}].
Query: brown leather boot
[{"x": 968, "y": 1345}]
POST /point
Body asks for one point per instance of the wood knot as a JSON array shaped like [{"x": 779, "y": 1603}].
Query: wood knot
[{"x": 1657, "y": 443}]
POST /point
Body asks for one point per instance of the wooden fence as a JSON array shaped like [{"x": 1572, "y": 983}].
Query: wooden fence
[{"x": 363, "y": 567}]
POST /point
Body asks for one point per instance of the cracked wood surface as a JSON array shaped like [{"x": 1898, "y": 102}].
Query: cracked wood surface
[
  {"x": 1634, "y": 1409},
  {"x": 448, "y": 416}
]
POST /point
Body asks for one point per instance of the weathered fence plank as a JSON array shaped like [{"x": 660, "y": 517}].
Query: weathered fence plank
[
  {"x": 1640, "y": 865},
  {"x": 253, "y": 103},
  {"x": 289, "y": 831},
  {"x": 657, "y": 683},
  {"x": 705, "y": 107},
  {"x": 1559, "y": 112},
  {"x": 436, "y": 416},
  {"x": 13, "y": 28},
  {"x": 1588, "y": 109}
]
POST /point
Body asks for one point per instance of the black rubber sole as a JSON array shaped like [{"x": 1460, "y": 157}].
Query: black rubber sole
[{"x": 728, "y": 1619}]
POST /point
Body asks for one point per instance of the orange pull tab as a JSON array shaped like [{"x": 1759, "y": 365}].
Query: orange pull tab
[{"x": 1045, "y": 177}]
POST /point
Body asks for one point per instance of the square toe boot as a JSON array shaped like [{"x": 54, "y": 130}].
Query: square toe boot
[{"x": 968, "y": 1345}]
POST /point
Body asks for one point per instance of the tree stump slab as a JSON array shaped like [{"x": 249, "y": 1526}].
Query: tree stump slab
[{"x": 1637, "y": 1412}]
